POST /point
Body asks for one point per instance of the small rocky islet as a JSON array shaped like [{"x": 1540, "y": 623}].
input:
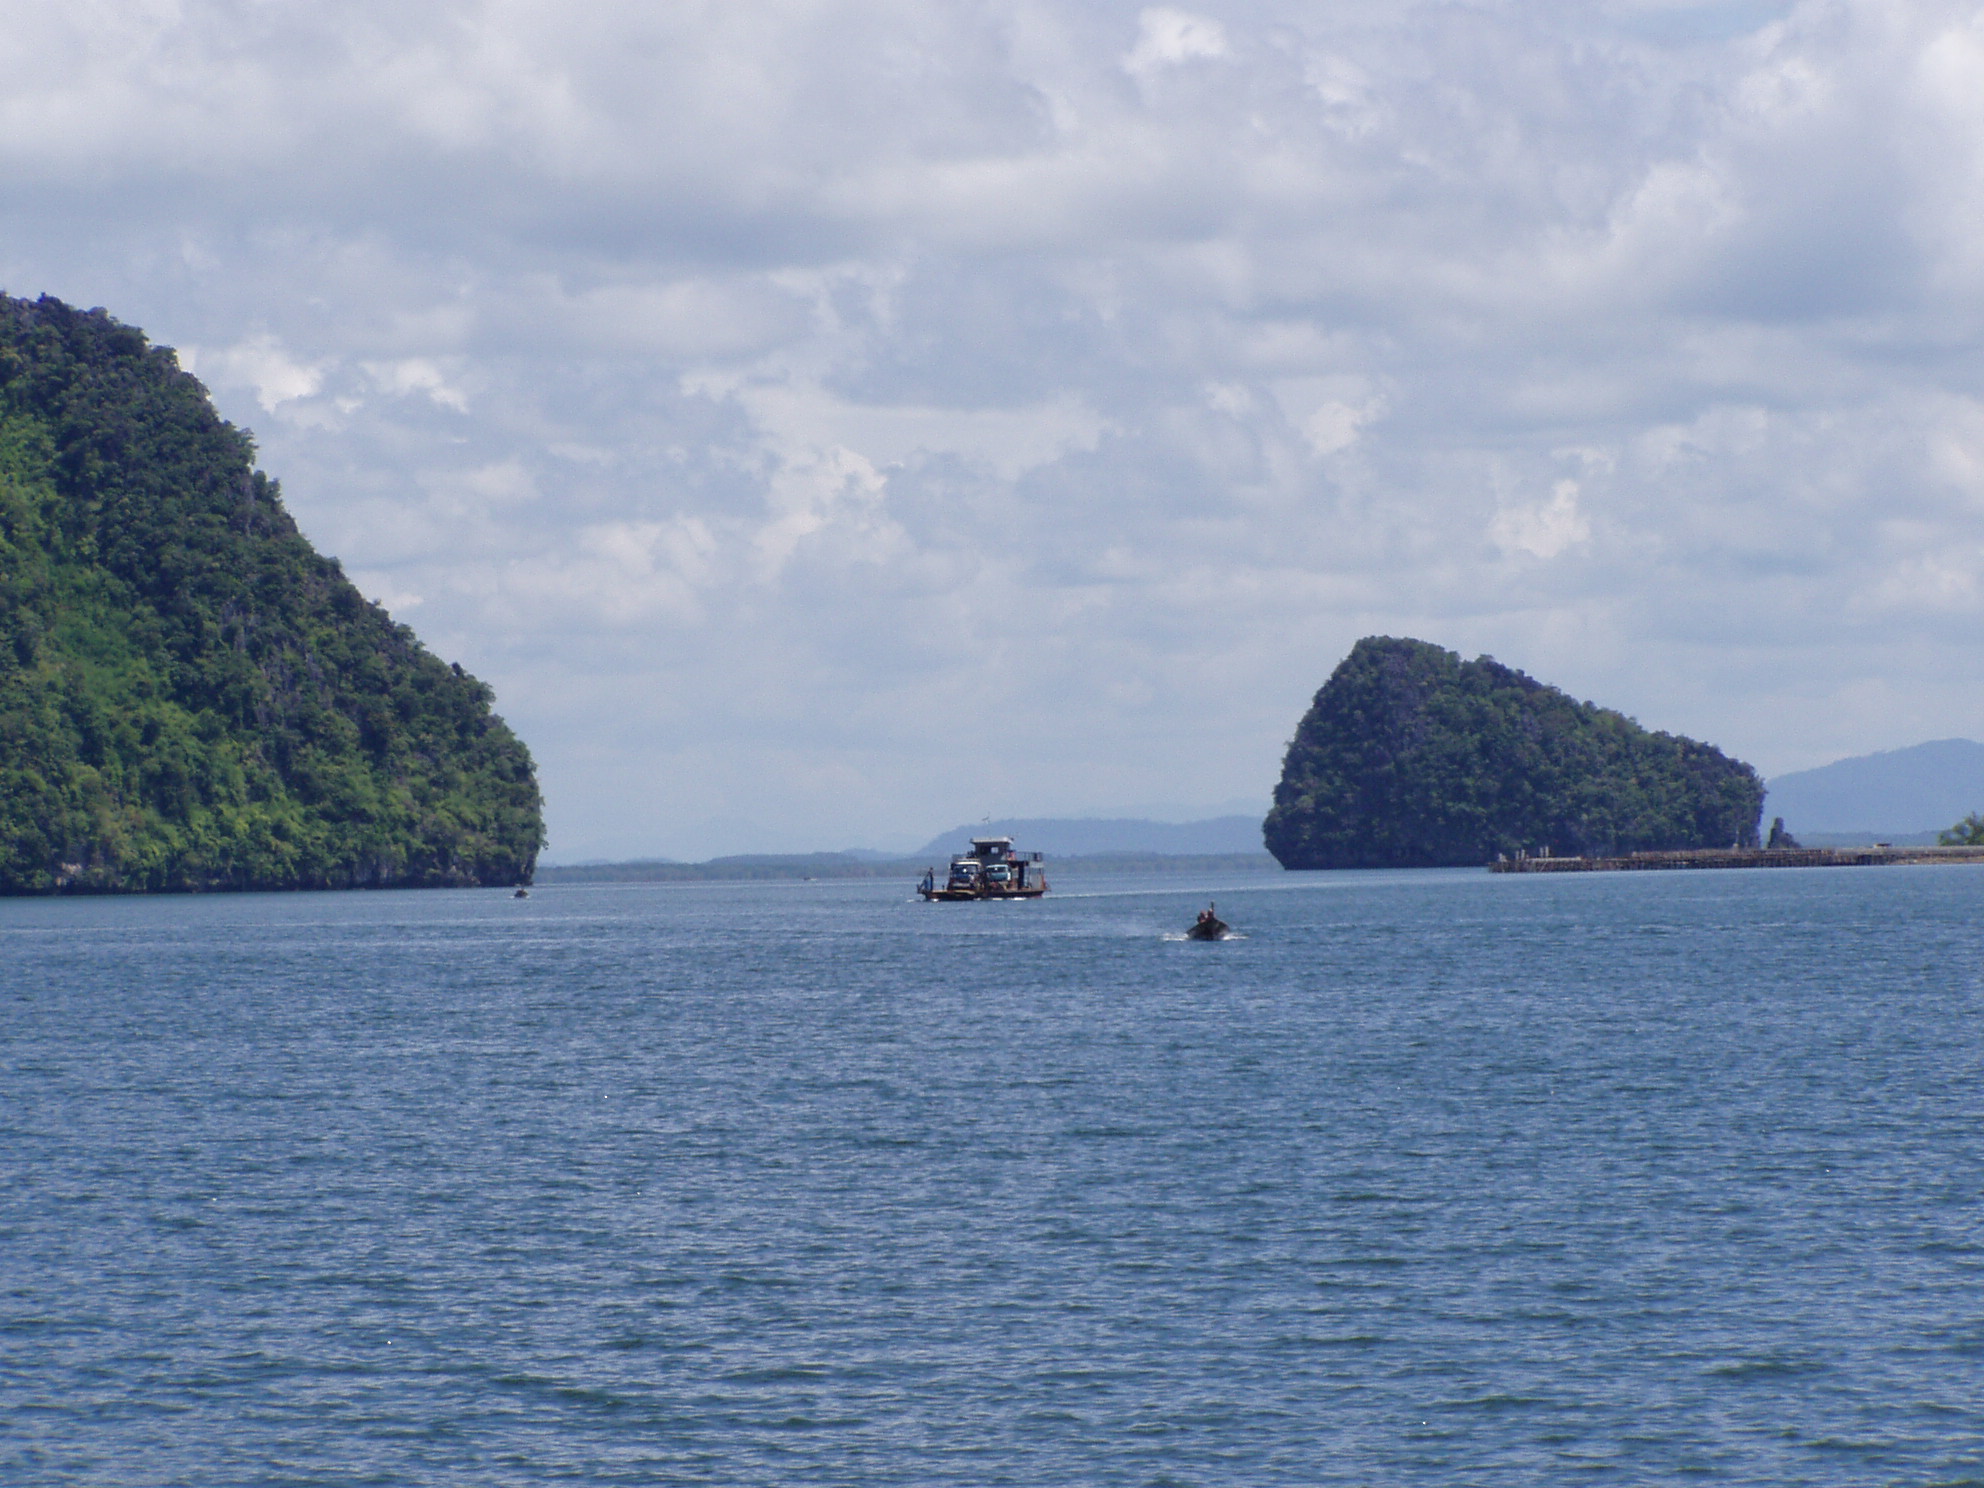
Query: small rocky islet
[{"x": 1411, "y": 757}]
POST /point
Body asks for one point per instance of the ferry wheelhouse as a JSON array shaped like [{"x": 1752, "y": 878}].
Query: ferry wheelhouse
[{"x": 991, "y": 870}]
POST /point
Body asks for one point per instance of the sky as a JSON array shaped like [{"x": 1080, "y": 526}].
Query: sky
[{"x": 827, "y": 421}]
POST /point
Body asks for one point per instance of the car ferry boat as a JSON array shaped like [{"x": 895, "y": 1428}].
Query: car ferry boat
[{"x": 991, "y": 870}]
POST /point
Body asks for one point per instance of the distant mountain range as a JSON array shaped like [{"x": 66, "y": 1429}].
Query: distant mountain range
[
  {"x": 1896, "y": 793},
  {"x": 1899, "y": 796},
  {"x": 824, "y": 866},
  {"x": 1067, "y": 837}
]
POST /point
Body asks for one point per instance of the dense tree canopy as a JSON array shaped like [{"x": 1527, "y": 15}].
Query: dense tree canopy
[
  {"x": 1412, "y": 757},
  {"x": 191, "y": 697},
  {"x": 1967, "y": 833}
]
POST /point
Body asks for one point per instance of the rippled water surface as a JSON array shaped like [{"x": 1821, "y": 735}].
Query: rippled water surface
[{"x": 1432, "y": 1179}]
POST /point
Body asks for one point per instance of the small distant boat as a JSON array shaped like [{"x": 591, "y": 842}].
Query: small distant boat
[
  {"x": 1208, "y": 926},
  {"x": 521, "y": 893},
  {"x": 991, "y": 870}
]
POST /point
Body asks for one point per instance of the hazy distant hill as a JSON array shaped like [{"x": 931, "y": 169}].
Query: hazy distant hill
[
  {"x": 1065, "y": 837},
  {"x": 764, "y": 866},
  {"x": 1919, "y": 789}
]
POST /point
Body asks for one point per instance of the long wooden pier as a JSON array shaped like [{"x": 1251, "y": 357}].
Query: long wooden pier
[{"x": 1743, "y": 857}]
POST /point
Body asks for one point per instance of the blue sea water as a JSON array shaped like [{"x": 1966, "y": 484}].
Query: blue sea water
[{"x": 1434, "y": 1178}]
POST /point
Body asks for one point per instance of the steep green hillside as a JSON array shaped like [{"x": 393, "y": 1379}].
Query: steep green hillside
[
  {"x": 190, "y": 696},
  {"x": 1411, "y": 757}
]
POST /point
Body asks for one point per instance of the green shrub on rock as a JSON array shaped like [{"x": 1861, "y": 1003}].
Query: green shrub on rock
[{"x": 1967, "y": 833}]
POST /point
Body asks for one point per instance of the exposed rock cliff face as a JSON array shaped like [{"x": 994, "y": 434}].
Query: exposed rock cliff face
[
  {"x": 190, "y": 696},
  {"x": 1412, "y": 757}
]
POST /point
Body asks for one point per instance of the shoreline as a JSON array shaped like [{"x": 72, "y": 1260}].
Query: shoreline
[{"x": 1879, "y": 855}]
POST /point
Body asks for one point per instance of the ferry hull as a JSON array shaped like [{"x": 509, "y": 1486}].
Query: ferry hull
[{"x": 951, "y": 895}]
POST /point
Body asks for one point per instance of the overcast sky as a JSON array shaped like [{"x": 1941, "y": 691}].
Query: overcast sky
[{"x": 825, "y": 421}]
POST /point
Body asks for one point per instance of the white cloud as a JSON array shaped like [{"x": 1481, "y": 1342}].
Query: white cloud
[
  {"x": 1545, "y": 529},
  {"x": 417, "y": 375},
  {"x": 1008, "y": 441},
  {"x": 614, "y": 575},
  {"x": 260, "y": 363},
  {"x": 1167, "y": 37},
  {"x": 832, "y": 497},
  {"x": 381, "y": 590}
]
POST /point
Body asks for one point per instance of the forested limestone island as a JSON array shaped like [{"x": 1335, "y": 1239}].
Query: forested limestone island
[
  {"x": 191, "y": 697},
  {"x": 1413, "y": 758}
]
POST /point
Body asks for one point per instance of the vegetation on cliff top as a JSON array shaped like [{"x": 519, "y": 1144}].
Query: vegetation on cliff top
[
  {"x": 1967, "y": 833},
  {"x": 1412, "y": 757},
  {"x": 191, "y": 697}
]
